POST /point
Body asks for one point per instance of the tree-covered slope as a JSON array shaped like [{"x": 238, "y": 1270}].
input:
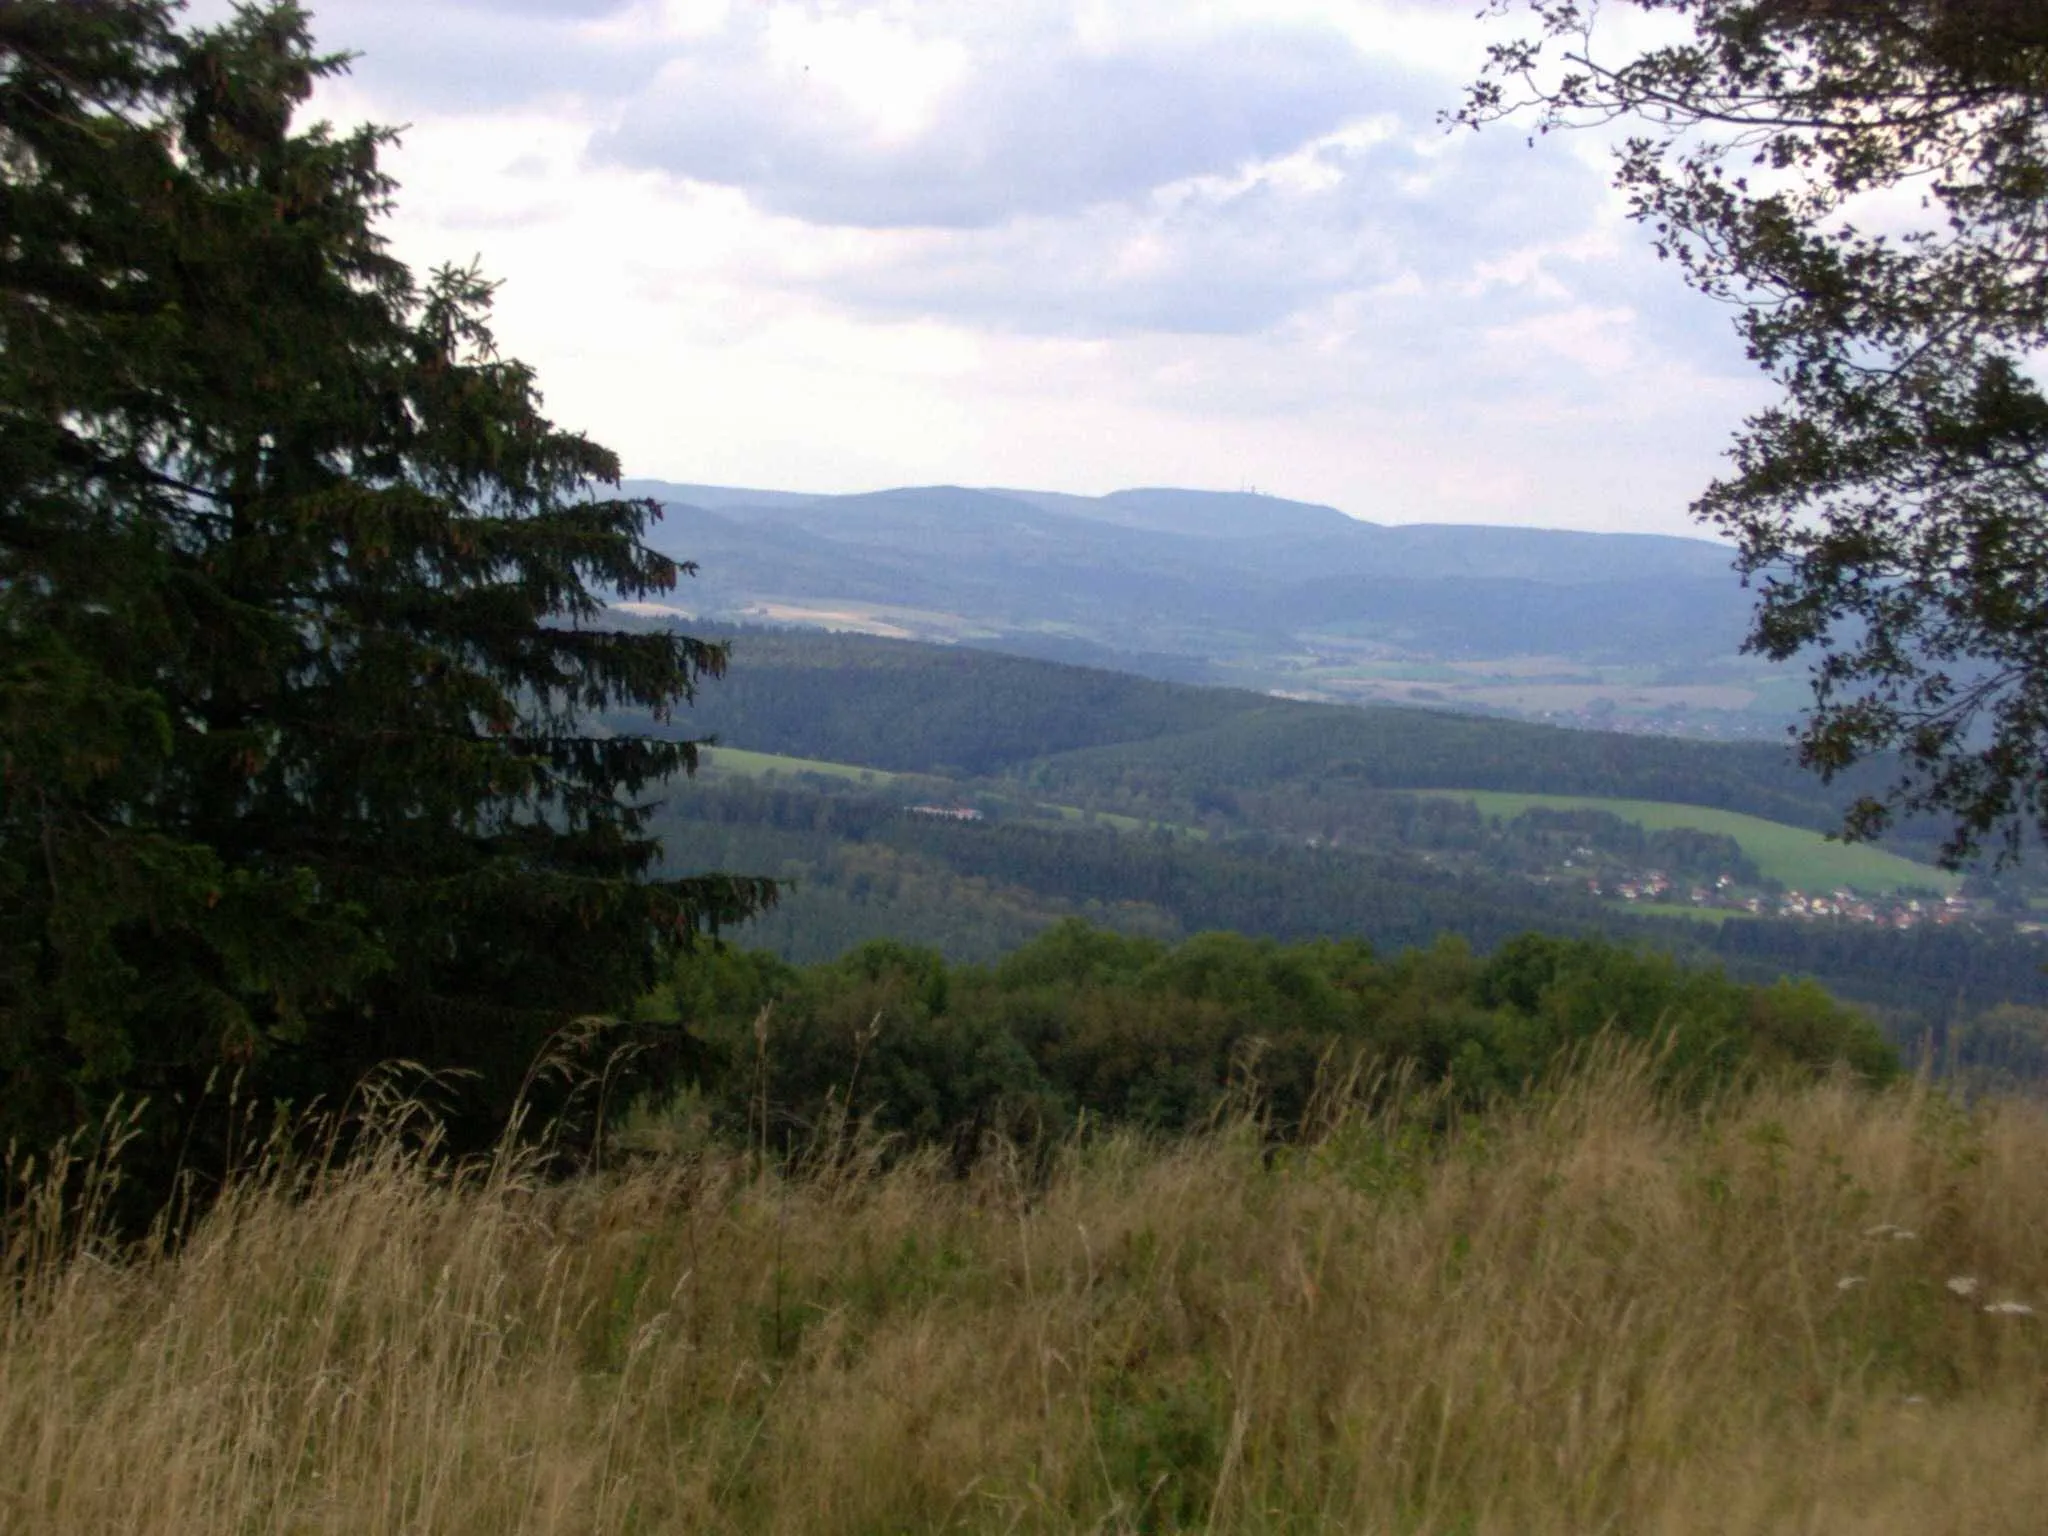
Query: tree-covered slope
[{"x": 914, "y": 707}]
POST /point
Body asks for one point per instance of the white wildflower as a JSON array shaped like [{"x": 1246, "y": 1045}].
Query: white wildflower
[
  {"x": 1895, "y": 1233},
  {"x": 1963, "y": 1285},
  {"x": 1848, "y": 1282},
  {"x": 2010, "y": 1309}
]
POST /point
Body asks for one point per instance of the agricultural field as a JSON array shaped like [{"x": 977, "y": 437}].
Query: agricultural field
[
  {"x": 753, "y": 765},
  {"x": 1803, "y": 860},
  {"x": 1714, "y": 916},
  {"x": 1800, "y": 859}
]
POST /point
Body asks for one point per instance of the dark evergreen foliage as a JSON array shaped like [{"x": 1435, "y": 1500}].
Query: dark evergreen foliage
[{"x": 300, "y": 631}]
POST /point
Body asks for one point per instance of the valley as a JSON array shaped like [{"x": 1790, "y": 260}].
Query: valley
[{"x": 967, "y": 801}]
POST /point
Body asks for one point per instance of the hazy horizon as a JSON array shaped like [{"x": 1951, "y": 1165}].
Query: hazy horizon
[{"x": 1694, "y": 532}]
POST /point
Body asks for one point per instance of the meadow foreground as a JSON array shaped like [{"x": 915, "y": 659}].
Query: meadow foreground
[{"x": 1798, "y": 1310}]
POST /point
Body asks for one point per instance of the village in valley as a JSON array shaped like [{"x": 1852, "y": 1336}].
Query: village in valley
[{"x": 1891, "y": 910}]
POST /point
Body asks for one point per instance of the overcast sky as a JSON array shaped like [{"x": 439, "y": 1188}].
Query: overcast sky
[{"x": 1061, "y": 244}]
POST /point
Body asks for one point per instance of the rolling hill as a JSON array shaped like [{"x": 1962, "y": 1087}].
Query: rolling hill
[
  {"x": 916, "y": 707},
  {"x": 1248, "y": 589}
]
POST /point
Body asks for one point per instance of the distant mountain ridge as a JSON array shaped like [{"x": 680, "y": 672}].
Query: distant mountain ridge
[
  {"x": 1198, "y": 514},
  {"x": 1235, "y": 587},
  {"x": 1345, "y": 545}
]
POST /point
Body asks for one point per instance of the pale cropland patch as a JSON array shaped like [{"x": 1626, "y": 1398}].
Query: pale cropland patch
[{"x": 736, "y": 760}]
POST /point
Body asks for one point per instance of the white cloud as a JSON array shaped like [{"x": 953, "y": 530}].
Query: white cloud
[
  {"x": 1076, "y": 246},
  {"x": 1251, "y": 250},
  {"x": 888, "y": 78},
  {"x": 1597, "y": 340},
  {"x": 878, "y": 118}
]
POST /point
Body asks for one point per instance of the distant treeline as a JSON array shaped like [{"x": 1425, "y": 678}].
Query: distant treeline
[
  {"x": 1186, "y": 884},
  {"x": 1088, "y": 1023}
]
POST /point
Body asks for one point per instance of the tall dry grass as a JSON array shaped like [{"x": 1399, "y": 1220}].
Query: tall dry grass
[{"x": 1587, "y": 1312}]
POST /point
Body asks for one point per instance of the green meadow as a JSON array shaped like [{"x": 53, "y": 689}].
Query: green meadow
[
  {"x": 1802, "y": 859},
  {"x": 758, "y": 764}
]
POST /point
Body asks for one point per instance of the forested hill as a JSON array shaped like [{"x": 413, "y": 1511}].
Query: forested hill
[
  {"x": 913, "y": 707},
  {"x": 1166, "y": 810}
]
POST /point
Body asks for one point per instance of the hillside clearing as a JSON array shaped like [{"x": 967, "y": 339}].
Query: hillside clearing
[
  {"x": 758, "y": 764},
  {"x": 1801, "y": 859}
]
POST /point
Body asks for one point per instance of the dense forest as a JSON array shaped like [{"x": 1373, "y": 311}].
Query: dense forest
[
  {"x": 964, "y": 712},
  {"x": 860, "y": 867}
]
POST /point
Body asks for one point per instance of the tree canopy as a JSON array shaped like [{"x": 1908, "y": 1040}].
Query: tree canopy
[
  {"x": 1866, "y": 182},
  {"x": 301, "y": 607}
]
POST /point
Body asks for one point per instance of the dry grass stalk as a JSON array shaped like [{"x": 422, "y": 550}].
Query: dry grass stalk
[{"x": 1587, "y": 1312}]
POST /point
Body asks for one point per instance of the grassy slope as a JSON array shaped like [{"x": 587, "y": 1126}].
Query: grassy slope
[
  {"x": 756, "y": 764},
  {"x": 1802, "y": 860},
  {"x": 1578, "y": 1315}
]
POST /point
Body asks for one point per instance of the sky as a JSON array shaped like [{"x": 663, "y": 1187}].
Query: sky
[{"x": 1074, "y": 245}]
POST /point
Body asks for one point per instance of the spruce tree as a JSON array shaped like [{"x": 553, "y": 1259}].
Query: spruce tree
[{"x": 302, "y": 636}]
